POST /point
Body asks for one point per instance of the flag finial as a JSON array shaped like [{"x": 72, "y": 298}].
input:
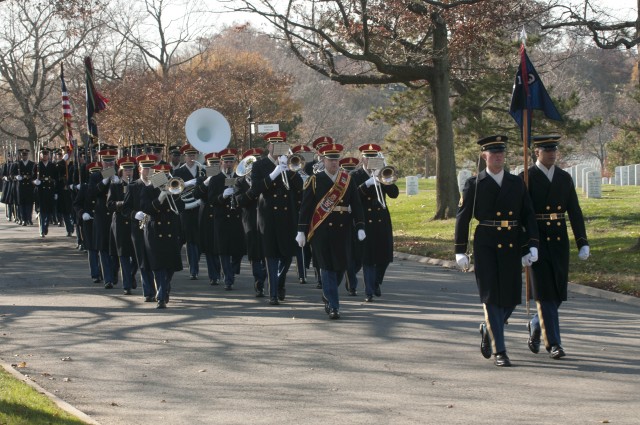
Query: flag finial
[{"x": 523, "y": 36}]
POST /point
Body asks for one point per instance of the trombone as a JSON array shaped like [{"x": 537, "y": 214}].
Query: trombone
[
  {"x": 382, "y": 174},
  {"x": 295, "y": 163}
]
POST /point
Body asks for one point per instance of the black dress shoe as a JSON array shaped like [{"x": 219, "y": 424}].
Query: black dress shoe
[
  {"x": 334, "y": 314},
  {"x": 326, "y": 304},
  {"x": 282, "y": 293},
  {"x": 108, "y": 285},
  {"x": 352, "y": 292},
  {"x": 161, "y": 304},
  {"x": 302, "y": 281},
  {"x": 557, "y": 352},
  {"x": 149, "y": 299},
  {"x": 377, "y": 292},
  {"x": 127, "y": 292},
  {"x": 193, "y": 277},
  {"x": 227, "y": 287},
  {"x": 502, "y": 359},
  {"x": 319, "y": 285},
  {"x": 485, "y": 342},
  {"x": 534, "y": 339},
  {"x": 134, "y": 283},
  {"x": 368, "y": 299},
  {"x": 274, "y": 301},
  {"x": 97, "y": 280},
  {"x": 213, "y": 282}
]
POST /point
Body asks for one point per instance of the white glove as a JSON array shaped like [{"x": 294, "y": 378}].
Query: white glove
[
  {"x": 526, "y": 260},
  {"x": 361, "y": 235},
  {"x": 191, "y": 182},
  {"x": 370, "y": 182},
  {"x": 55, "y": 196},
  {"x": 115, "y": 179},
  {"x": 19, "y": 177},
  {"x": 534, "y": 254},
  {"x": 301, "y": 239},
  {"x": 162, "y": 196},
  {"x": 463, "y": 261},
  {"x": 283, "y": 160},
  {"x": 139, "y": 216},
  {"x": 105, "y": 181},
  {"x": 584, "y": 252},
  {"x": 70, "y": 187},
  {"x": 228, "y": 192},
  {"x": 65, "y": 156},
  {"x": 4, "y": 178},
  {"x": 277, "y": 171},
  {"x": 86, "y": 217},
  {"x": 37, "y": 182},
  {"x": 207, "y": 180},
  {"x": 78, "y": 186}
]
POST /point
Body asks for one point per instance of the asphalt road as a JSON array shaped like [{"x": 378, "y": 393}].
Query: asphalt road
[{"x": 218, "y": 357}]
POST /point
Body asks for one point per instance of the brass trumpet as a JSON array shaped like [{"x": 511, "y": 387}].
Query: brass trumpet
[{"x": 382, "y": 174}]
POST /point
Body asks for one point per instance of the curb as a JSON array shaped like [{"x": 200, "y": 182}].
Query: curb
[
  {"x": 573, "y": 287},
  {"x": 59, "y": 402}
]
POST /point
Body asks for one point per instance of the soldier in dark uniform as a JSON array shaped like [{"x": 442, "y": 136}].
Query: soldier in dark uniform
[
  {"x": 6, "y": 184},
  {"x": 97, "y": 195},
  {"x": 277, "y": 212},
  {"x": 162, "y": 235},
  {"x": 303, "y": 254},
  {"x": 84, "y": 206},
  {"x": 229, "y": 242},
  {"x": 46, "y": 178},
  {"x": 206, "y": 218},
  {"x": 501, "y": 204},
  {"x": 311, "y": 168},
  {"x": 377, "y": 249},
  {"x": 121, "y": 223},
  {"x": 189, "y": 172},
  {"x": 249, "y": 206},
  {"x": 23, "y": 175},
  {"x": 132, "y": 209},
  {"x": 349, "y": 164},
  {"x": 554, "y": 196},
  {"x": 79, "y": 174},
  {"x": 330, "y": 207},
  {"x": 64, "y": 208},
  {"x": 175, "y": 154}
]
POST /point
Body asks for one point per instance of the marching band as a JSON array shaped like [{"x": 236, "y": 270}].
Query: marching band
[{"x": 132, "y": 213}]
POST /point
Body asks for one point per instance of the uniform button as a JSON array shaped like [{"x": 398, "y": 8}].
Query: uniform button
[
  {"x": 548, "y": 223},
  {"x": 369, "y": 209},
  {"x": 211, "y": 205},
  {"x": 169, "y": 235},
  {"x": 499, "y": 228},
  {"x": 341, "y": 225},
  {"x": 379, "y": 209},
  {"x": 509, "y": 228},
  {"x": 548, "y": 207},
  {"x": 330, "y": 224},
  {"x": 126, "y": 222},
  {"x": 498, "y": 213},
  {"x": 228, "y": 215},
  {"x": 159, "y": 236},
  {"x": 558, "y": 237},
  {"x": 159, "y": 222},
  {"x": 558, "y": 223},
  {"x": 370, "y": 221},
  {"x": 274, "y": 184},
  {"x": 369, "y": 198},
  {"x": 510, "y": 212},
  {"x": 510, "y": 245},
  {"x": 210, "y": 215},
  {"x": 285, "y": 195},
  {"x": 559, "y": 207},
  {"x": 548, "y": 238},
  {"x": 379, "y": 220},
  {"x": 285, "y": 208},
  {"x": 275, "y": 208},
  {"x": 499, "y": 245},
  {"x": 275, "y": 195}
]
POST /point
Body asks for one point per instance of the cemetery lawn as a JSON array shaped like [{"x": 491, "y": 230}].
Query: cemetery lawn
[
  {"x": 22, "y": 405},
  {"x": 613, "y": 229}
]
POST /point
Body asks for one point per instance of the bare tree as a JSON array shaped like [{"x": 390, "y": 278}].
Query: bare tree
[
  {"x": 164, "y": 31},
  {"x": 372, "y": 42},
  {"x": 34, "y": 40}
]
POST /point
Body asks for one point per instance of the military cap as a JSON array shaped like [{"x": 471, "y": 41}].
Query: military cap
[
  {"x": 332, "y": 151},
  {"x": 495, "y": 143},
  {"x": 321, "y": 141},
  {"x": 276, "y": 136},
  {"x": 546, "y": 142},
  {"x": 370, "y": 150}
]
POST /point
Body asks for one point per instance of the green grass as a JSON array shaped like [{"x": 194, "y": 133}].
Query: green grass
[
  {"x": 613, "y": 227},
  {"x": 22, "y": 405}
]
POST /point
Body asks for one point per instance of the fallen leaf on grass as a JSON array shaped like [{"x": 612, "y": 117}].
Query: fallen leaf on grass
[{"x": 22, "y": 364}]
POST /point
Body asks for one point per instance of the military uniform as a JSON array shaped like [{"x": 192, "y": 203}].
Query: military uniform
[
  {"x": 23, "y": 175},
  {"x": 46, "y": 178},
  {"x": 503, "y": 211},
  {"x": 330, "y": 237},
  {"x": 277, "y": 217},
  {"x": 552, "y": 201},
  {"x": 84, "y": 205}
]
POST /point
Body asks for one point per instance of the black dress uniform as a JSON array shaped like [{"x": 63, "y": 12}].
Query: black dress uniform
[
  {"x": 64, "y": 207},
  {"x": 331, "y": 240},
  {"x": 206, "y": 239},
  {"x": 552, "y": 201},
  {"x": 162, "y": 237},
  {"x": 229, "y": 243},
  {"x": 502, "y": 212},
  {"x": 25, "y": 188},
  {"x": 83, "y": 205},
  {"x": 46, "y": 192},
  {"x": 277, "y": 217},
  {"x": 377, "y": 248}
]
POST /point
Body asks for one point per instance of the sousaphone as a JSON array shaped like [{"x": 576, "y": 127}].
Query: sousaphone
[{"x": 207, "y": 130}]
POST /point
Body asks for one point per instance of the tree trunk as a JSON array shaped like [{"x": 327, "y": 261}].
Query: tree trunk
[{"x": 447, "y": 190}]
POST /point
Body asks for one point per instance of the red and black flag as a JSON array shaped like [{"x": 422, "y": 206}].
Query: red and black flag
[{"x": 95, "y": 101}]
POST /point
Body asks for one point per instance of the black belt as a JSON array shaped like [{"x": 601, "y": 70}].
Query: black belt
[
  {"x": 494, "y": 223},
  {"x": 554, "y": 216}
]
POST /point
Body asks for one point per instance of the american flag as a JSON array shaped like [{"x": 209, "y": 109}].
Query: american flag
[{"x": 67, "y": 113}]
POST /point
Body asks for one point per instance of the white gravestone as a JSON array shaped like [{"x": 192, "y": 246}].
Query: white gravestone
[
  {"x": 584, "y": 177},
  {"x": 412, "y": 185},
  {"x": 624, "y": 176},
  {"x": 616, "y": 178},
  {"x": 605, "y": 180},
  {"x": 633, "y": 177},
  {"x": 579, "y": 168},
  {"x": 463, "y": 176},
  {"x": 593, "y": 184},
  {"x": 637, "y": 173}
]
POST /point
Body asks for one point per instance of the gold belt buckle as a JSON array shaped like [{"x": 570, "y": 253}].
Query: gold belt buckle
[
  {"x": 553, "y": 216},
  {"x": 504, "y": 223}
]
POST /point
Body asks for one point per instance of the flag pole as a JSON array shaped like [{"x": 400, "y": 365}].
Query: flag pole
[{"x": 525, "y": 143}]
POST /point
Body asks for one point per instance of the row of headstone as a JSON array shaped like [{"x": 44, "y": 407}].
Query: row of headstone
[
  {"x": 588, "y": 178},
  {"x": 627, "y": 175}
]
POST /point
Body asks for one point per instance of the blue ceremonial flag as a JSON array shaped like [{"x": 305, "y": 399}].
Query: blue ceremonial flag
[
  {"x": 528, "y": 94},
  {"x": 95, "y": 101}
]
